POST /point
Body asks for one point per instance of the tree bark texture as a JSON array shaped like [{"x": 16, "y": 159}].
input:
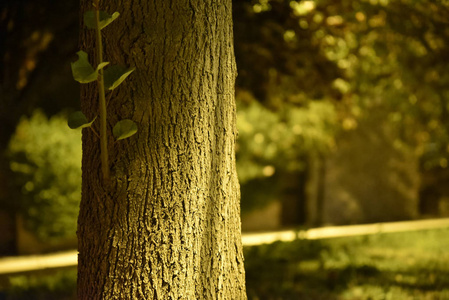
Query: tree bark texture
[{"x": 168, "y": 224}]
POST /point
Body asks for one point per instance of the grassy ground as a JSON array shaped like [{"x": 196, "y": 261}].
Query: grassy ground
[
  {"x": 55, "y": 284},
  {"x": 396, "y": 266},
  {"x": 412, "y": 265}
]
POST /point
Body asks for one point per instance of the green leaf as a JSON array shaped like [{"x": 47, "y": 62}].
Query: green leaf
[
  {"x": 124, "y": 129},
  {"x": 82, "y": 70},
  {"x": 114, "y": 76},
  {"x": 105, "y": 19},
  {"x": 78, "y": 120}
]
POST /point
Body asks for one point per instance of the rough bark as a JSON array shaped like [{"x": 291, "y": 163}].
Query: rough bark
[{"x": 168, "y": 226}]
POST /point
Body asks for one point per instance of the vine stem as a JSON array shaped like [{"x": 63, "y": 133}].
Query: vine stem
[{"x": 100, "y": 80}]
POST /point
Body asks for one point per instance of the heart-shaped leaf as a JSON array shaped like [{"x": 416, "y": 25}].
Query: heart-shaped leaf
[
  {"x": 114, "y": 76},
  {"x": 82, "y": 70},
  {"x": 105, "y": 19},
  {"x": 78, "y": 120},
  {"x": 124, "y": 129}
]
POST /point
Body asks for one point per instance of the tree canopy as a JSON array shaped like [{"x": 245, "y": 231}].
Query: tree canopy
[{"x": 357, "y": 54}]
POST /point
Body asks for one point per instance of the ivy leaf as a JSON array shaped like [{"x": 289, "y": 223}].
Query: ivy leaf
[
  {"x": 105, "y": 19},
  {"x": 124, "y": 129},
  {"x": 78, "y": 120},
  {"x": 114, "y": 76},
  {"x": 82, "y": 70}
]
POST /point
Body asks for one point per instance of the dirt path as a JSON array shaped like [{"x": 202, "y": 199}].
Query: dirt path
[
  {"x": 38, "y": 262},
  {"x": 9, "y": 265},
  {"x": 341, "y": 231}
]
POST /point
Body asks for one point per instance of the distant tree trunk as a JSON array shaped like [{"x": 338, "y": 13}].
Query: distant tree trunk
[
  {"x": 168, "y": 227},
  {"x": 315, "y": 190}
]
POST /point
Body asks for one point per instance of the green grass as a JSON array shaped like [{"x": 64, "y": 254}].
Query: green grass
[
  {"x": 394, "y": 266},
  {"x": 412, "y": 265},
  {"x": 57, "y": 284}
]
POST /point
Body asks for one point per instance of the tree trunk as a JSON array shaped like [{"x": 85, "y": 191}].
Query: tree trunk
[{"x": 168, "y": 225}]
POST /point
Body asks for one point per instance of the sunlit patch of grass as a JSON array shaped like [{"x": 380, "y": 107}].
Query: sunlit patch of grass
[{"x": 411, "y": 265}]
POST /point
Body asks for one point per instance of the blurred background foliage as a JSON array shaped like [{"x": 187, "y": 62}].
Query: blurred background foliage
[
  {"x": 279, "y": 140},
  {"x": 358, "y": 54},
  {"x": 382, "y": 65},
  {"x": 271, "y": 143},
  {"x": 45, "y": 159},
  {"x": 337, "y": 101}
]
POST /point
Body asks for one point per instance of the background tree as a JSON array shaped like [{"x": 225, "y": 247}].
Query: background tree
[
  {"x": 168, "y": 224},
  {"x": 360, "y": 55}
]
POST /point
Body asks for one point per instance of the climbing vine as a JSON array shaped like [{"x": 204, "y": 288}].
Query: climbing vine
[{"x": 107, "y": 79}]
